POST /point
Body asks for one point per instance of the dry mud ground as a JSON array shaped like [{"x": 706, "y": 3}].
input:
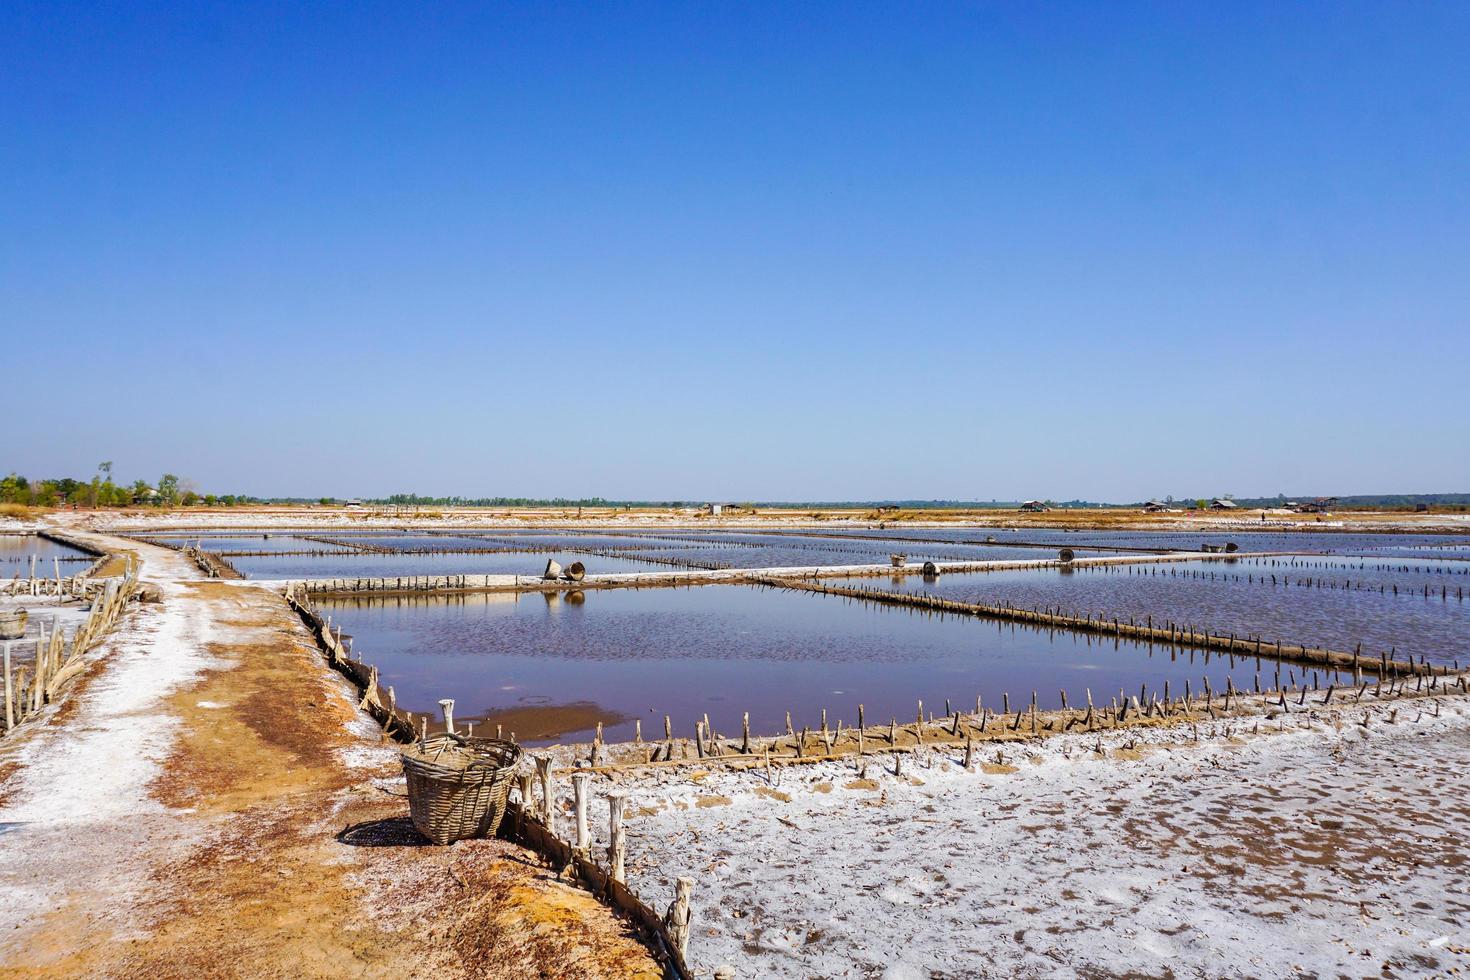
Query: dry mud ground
[
  {"x": 177, "y": 815},
  {"x": 1334, "y": 852}
]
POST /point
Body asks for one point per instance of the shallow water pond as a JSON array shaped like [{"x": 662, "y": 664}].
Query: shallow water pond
[
  {"x": 16, "y": 551},
  {"x": 1318, "y": 601},
  {"x": 630, "y": 654},
  {"x": 366, "y": 564},
  {"x": 1323, "y": 542},
  {"x": 246, "y": 542}
]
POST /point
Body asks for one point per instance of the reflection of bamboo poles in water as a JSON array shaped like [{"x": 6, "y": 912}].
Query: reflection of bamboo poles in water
[
  {"x": 1171, "y": 634},
  {"x": 57, "y": 662}
]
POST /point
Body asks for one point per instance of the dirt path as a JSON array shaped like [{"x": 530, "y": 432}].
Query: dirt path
[{"x": 179, "y": 813}]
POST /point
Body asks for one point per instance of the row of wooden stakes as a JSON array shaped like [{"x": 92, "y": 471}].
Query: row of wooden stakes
[
  {"x": 530, "y": 822},
  {"x": 57, "y": 660}
]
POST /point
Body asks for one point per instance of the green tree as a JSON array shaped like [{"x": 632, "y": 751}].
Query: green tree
[
  {"x": 13, "y": 490},
  {"x": 168, "y": 490}
]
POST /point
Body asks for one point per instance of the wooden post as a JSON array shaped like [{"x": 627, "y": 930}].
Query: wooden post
[
  {"x": 617, "y": 845},
  {"x": 543, "y": 775},
  {"x": 523, "y": 780},
  {"x": 39, "y": 688},
  {"x": 745, "y": 733},
  {"x": 579, "y": 791},
  {"x": 9, "y": 693},
  {"x": 446, "y": 705},
  {"x": 676, "y": 920}
]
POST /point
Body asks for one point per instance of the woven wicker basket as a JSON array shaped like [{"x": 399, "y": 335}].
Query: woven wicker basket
[{"x": 457, "y": 786}]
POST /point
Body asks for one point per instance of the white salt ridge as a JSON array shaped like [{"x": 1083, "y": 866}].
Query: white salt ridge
[
  {"x": 1327, "y": 851},
  {"x": 82, "y": 811},
  {"x": 96, "y": 766}
]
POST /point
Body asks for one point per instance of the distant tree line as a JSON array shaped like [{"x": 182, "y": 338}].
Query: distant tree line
[
  {"x": 418, "y": 500},
  {"x": 102, "y": 491}
]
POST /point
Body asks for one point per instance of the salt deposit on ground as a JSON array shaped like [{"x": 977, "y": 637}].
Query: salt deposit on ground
[{"x": 1335, "y": 851}]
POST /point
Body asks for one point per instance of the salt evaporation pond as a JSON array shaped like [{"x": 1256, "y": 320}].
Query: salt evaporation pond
[
  {"x": 551, "y": 664},
  {"x": 257, "y": 542},
  {"x": 1319, "y": 602},
  {"x": 737, "y": 555},
  {"x": 1316, "y": 542},
  {"x": 565, "y": 540},
  {"x": 749, "y": 550},
  {"x": 16, "y": 551},
  {"x": 368, "y": 564}
]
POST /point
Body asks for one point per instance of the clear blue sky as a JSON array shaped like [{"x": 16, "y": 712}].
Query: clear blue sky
[{"x": 739, "y": 250}]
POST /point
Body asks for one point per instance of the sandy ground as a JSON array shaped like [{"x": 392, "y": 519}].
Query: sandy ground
[
  {"x": 1336, "y": 851},
  {"x": 179, "y": 815}
]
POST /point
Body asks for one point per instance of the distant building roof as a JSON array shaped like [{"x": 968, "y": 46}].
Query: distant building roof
[{"x": 1220, "y": 503}]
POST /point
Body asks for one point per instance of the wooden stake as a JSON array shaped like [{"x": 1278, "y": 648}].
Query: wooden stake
[
  {"x": 543, "y": 774},
  {"x": 617, "y": 845},
  {"x": 676, "y": 920},
  {"x": 9, "y": 693}
]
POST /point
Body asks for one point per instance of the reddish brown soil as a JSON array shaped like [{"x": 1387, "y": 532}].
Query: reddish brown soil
[{"x": 259, "y": 773}]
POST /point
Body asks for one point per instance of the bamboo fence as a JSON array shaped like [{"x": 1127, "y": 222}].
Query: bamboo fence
[
  {"x": 527, "y": 822},
  {"x": 58, "y": 660}
]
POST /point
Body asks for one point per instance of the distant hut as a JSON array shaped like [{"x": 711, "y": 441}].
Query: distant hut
[
  {"x": 1034, "y": 507},
  {"x": 1321, "y": 505},
  {"x": 1220, "y": 503},
  {"x": 1154, "y": 507}
]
